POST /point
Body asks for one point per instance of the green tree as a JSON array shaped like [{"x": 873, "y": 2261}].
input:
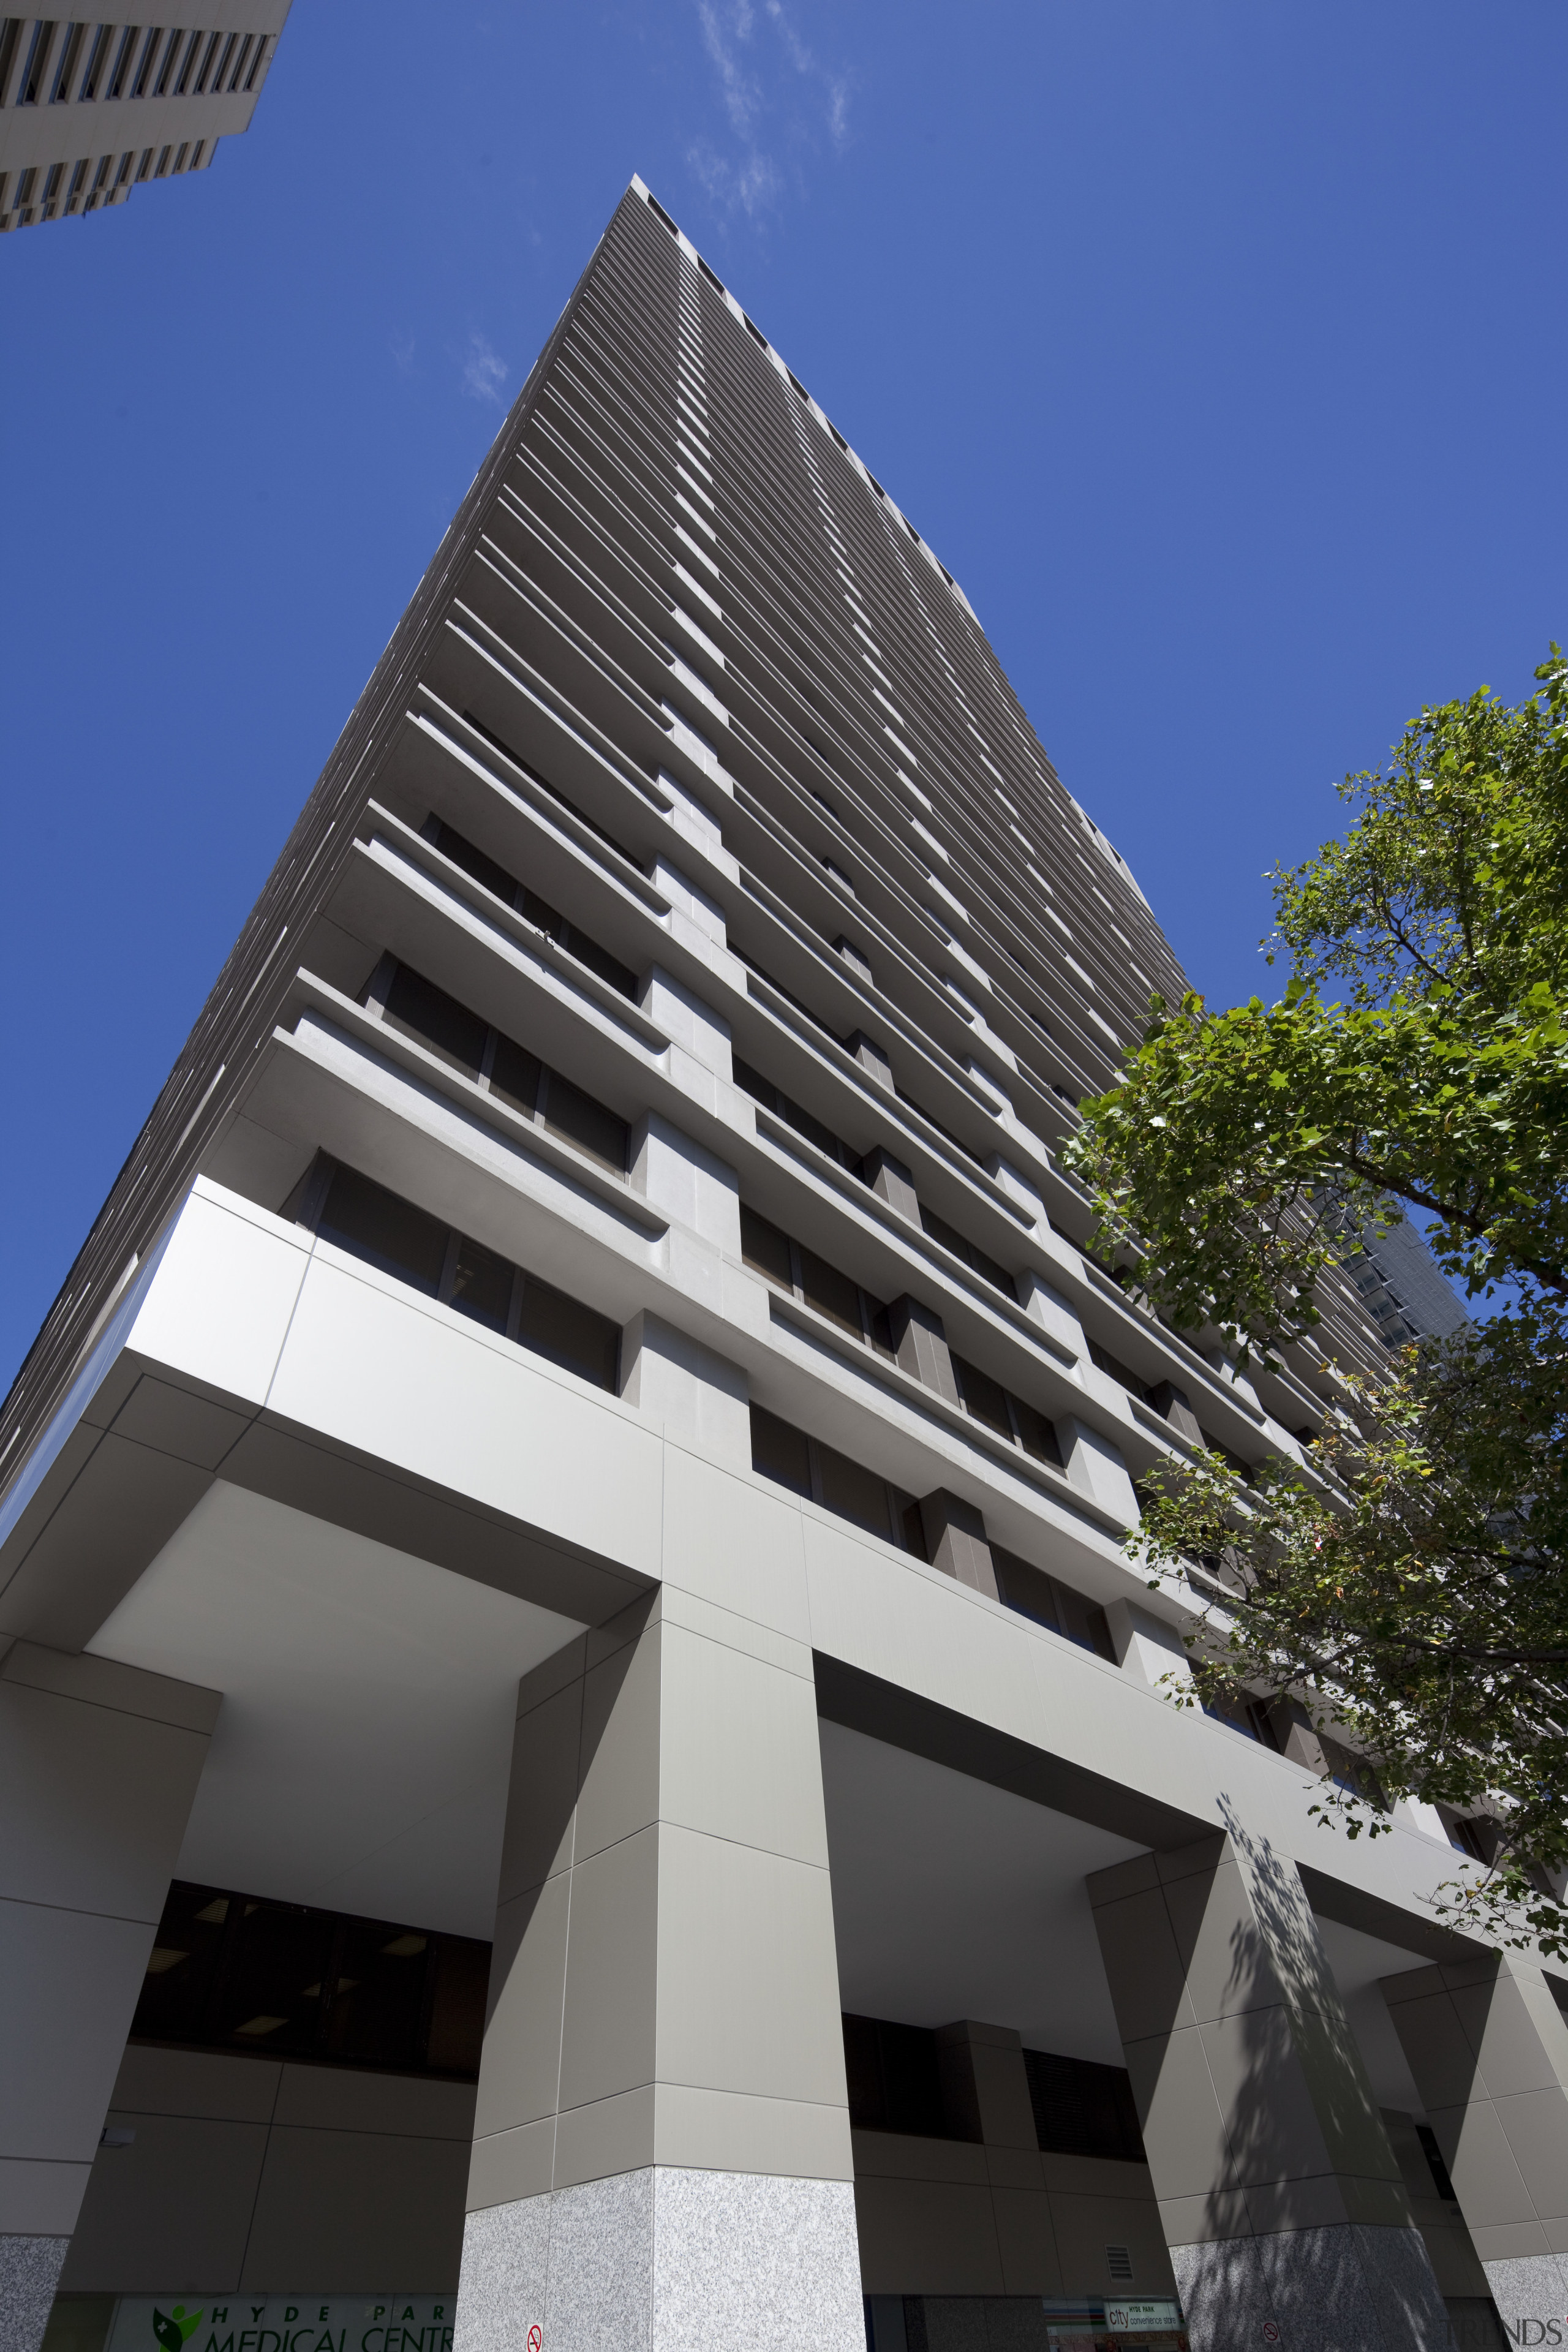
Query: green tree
[{"x": 1409, "y": 1584}]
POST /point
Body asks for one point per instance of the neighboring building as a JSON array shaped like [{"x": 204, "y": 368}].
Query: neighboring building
[
  {"x": 1402, "y": 1287},
  {"x": 89, "y": 111},
  {"x": 586, "y": 1454}
]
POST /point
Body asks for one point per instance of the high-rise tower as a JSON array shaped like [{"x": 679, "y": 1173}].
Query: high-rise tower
[
  {"x": 587, "y": 1450},
  {"x": 90, "y": 110}
]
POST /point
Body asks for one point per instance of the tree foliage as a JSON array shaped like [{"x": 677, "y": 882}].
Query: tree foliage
[{"x": 1408, "y": 1582}]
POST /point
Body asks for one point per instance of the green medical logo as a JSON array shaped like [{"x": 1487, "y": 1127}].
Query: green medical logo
[{"x": 173, "y": 2331}]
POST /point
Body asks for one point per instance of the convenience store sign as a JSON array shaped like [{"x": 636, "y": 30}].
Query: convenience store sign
[
  {"x": 1138, "y": 2318},
  {"x": 283, "y": 2323}
]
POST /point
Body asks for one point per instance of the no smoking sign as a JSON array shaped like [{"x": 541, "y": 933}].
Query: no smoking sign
[
  {"x": 535, "y": 2338},
  {"x": 1271, "y": 2332}
]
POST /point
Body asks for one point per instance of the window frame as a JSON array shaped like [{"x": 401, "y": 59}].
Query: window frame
[
  {"x": 1015, "y": 1407},
  {"x": 871, "y": 1307},
  {"x": 376, "y": 999},
  {"x": 307, "y": 1205},
  {"x": 904, "y": 1508}
]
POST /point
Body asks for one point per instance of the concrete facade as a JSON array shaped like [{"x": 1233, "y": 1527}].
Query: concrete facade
[{"x": 589, "y": 1435}]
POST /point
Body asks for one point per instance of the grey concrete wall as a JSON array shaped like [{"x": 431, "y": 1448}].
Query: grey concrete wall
[
  {"x": 1456, "y": 2265},
  {"x": 98, "y": 1764},
  {"x": 250, "y": 2174},
  {"x": 994, "y": 2216},
  {"x": 1282, "y": 2202},
  {"x": 662, "y": 2142},
  {"x": 1488, "y": 2049}
]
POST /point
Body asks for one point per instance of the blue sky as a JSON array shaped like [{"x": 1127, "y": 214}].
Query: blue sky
[{"x": 1217, "y": 349}]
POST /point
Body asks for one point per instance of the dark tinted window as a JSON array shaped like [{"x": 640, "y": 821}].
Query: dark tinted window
[
  {"x": 831, "y": 1293},
  {"x": 514, "y": 1076},
  {"x": 421, "y": 1009},
  {"x": 376, "y": 1225},
  {"x": 984, "y": 1398},
  {"x": 183, "y": 1962},
  {"x": 895, "y": 2079},
  {"x": 852, "y": 1492},
  {"x": 481, "y": 1285},
  {"x": 1028, "y": 1589},
  {"x": 763, "y": 1247},
  {"x": 808, "y": 1468},
  {"x": 1037, "y": 1434},
  {"x": 761, "y": 1089},
  {"x": 780, "y": 1452},
  {"x": 1082, "y": 2109},
  {"x": 232, "y": 1972},
  {"x": 1083, "y": 1622},
  {"x": 569, "y": 1112},
  {"x": 1434, "y": 2164},
  {"x": 569, "y": 1333},
  {"x": 270, "y": 1991},
  {"x": 475, "y": 862},
  {"x": 461, "y": 1973},
  {"x": 971, "y": 1255},
  {"x": 1117, "y": 1371},
  {"x": 533, "y": 908},
  {"x": 377, "y": 2002},
  {"x": 388, "y": 1232},
  {"x": 1039, "y": 1597}
]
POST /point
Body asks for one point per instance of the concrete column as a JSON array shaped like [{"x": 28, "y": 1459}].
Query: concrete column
[
  {"x": 1176, "y": 1406},
  {"x": 984, "y": 2084},
  {"x": 1097, "y": 1468},
  {"x": 699, "y": 1037},
  {"x": 1488, "y": 2049},
  {"x": 661, "y": 2151},
  {"x": 872, "y": 1058},
  {"x": 892, "y": 1182},
  {"x": 920, "y": 1343},
  {"x": 99, "y": 1767},
  {"x": 1145, "y": 1645},
  {"x": 957, "y": 1541},
  {"x": 1281, "y": 2200},
  {"x": 678, "y": 1175},
  {"x": 691, "y": 818},
  {"x": 698, "y": 1395},
  {"x": 1046, "y": 1307}
]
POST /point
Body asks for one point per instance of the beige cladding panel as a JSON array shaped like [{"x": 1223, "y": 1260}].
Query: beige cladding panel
[
  {"x": 1280, "y": 2197},
  {"x": 1257, "y": 2114},
  {"x": 1489, "y": 2050},
  {"x": 246, "y": 2172},
  {"x": 992, "y": 2215},
  {"x": 99, "y": 1767},
  {"x": 683, "y": 1934}
]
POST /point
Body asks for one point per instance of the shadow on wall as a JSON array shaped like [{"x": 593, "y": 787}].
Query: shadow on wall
[{"x": 1269, "y": 2156}]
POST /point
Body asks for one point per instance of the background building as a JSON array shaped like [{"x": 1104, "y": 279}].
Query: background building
[
  {"x": 569, "y": 1657},
  {"x": 1401, "y": 1289},
  {"x": 89, "y": 110}
]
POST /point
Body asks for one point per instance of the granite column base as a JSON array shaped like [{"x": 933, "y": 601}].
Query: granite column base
[
  {"x": 29, "y": 2272},
  {"x": 1530, "y": 2287},
  {"x": 661, "y": 2258},
  {"x": 1348, "y": 2287}
]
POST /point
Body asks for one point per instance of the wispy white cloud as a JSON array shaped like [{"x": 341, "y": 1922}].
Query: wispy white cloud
[
  {"x": 484, "y": 371},
  {"x": 751, "y": 185},
  {"x": 760, "y": 77},
  {"x": 835, "y": 87},
  {"x": 721, "y": 32},
  {"x": 402, "y": 349}
]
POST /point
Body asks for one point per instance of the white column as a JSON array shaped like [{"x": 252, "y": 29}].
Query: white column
[
  {"x": 99, "y": 1767},
  {"x": 661, "y": 2154}
]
